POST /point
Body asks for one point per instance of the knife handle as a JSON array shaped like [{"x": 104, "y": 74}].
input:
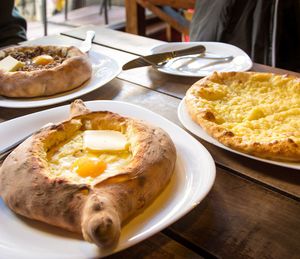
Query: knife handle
[{"x": 190, "y": 51}]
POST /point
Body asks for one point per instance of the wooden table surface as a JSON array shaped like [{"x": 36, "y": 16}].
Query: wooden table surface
[{"x": 253, "y": 209}]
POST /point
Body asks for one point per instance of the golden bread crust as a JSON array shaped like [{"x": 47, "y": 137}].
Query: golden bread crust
[
  {"x": 71, "y": 73},
  {"x": 254, "y": 113},
  {"x": 97, "y": 209}
]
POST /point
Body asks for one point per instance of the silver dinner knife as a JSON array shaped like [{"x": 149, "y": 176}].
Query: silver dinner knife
[
  {"x": 86, "y": 45},
  {"x": 160, "y": 58}
]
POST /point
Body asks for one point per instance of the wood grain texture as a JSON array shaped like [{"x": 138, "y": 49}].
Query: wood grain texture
[
  {"x": 281, "y": 179},
  {"x": 239, "y": 219},
  {"x": 158, "y": 246},
  {"x": 148, "y": 77}
]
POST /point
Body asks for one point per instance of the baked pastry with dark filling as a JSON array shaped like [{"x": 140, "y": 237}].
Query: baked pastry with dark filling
[{"x": 33, "y": 71}]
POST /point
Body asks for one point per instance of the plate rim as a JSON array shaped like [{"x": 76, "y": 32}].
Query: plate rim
[
  {"x": 182, "y": 115},
  {"x": 210, "y": 171},
  {"x": 192, "y": 43}
]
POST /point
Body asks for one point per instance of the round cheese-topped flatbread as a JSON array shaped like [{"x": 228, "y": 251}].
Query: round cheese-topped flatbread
[{"x": 255, "y": 113}]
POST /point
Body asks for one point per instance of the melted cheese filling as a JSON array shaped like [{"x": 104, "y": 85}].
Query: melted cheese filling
[
  {"x": 263, "y": 108},
  {"x": 72, "y": 161}
]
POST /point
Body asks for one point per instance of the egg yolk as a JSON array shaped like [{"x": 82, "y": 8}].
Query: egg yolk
[
  {"x": 42, "y": 60},
  {"x": 89, "y": 166}
]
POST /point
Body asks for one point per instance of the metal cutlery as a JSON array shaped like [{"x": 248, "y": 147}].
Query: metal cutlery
[
  {"x": 218, "y": 61},
  {"x": 160, "y": 58},
  {"x": 190, "y": 60}
]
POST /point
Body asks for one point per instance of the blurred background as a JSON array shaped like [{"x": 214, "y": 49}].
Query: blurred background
[
  {"x": 47, "y": 17},
  {"x": 63, "y": 15}
]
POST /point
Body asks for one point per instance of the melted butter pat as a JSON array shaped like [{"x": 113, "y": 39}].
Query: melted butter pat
[
  {"x": 104, "y": 140},
  {"x": 10, "y": 64}
]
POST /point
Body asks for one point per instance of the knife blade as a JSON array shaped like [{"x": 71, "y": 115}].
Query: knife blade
[{"x": 157, "y": 59}]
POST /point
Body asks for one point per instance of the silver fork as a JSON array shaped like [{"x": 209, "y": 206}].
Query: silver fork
[
  {"x": 221, "y": 61},
  {"x": 218, "y": 59}
]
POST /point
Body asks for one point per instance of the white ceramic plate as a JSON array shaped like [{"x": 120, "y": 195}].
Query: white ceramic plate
[
  {"x": 193, "y": 178},
  {"x": 193, "y": 127},
  {"x": 104, "y": 70},
  {"x": 184, "y": 66}
]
